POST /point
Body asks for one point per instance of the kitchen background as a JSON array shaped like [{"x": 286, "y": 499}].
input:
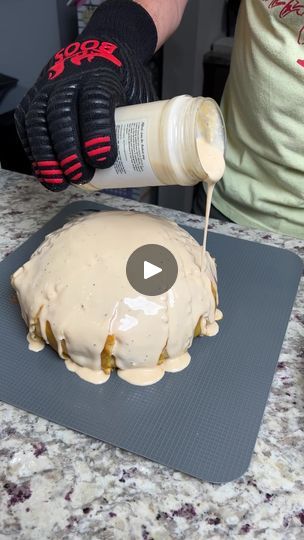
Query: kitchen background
[{"x": 195, "y": 60}]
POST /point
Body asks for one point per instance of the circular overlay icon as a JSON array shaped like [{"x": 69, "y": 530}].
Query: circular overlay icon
[{"x": 151, "y": 270}]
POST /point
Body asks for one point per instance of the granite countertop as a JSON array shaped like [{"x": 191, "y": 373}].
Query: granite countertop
[{"x": 58, "y": 484}]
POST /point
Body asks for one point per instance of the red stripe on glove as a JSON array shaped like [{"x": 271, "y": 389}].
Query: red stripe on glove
[
  {"x": 49, "y": 172},
  {"x": 102, "y": 150},
  {"x": 68, "y": 159},
  {"x": 76, "y": 177},
  {"x": 73, "y": 168},
  {"x": 96, "y": 140},
  {"x": 52, "y": 180},
  {"x": 47, "y": 164}
]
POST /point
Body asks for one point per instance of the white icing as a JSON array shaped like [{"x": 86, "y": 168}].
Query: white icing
[
  {"x": 212, "y": 329},
  {"x": 173, "y": 365},
  {"x": 218, "y": 315},
  {"x": 76, "y": 280},
  {"x": 145, "y": 377},
  {"x": 141, "y": 377},
  {"x": 213, "y": 163},
  {"x": 35, "y": 344},
  {"x": 212, "y": 160},
  {"x": 94, "y": 377}
]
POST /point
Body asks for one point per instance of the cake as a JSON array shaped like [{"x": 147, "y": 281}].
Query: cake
[{"x": 75, "y": 296}]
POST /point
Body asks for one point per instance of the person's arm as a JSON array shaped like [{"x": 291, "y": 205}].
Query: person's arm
[
  {"x": 66, "y": 121},
  {"x": 166, "y": 14}
]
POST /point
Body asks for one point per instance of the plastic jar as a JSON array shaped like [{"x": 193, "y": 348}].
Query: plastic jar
[{"x": 157, "y": 143}]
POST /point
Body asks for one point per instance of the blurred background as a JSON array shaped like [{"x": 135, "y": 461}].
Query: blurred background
[{"x": 195, "y": 61}]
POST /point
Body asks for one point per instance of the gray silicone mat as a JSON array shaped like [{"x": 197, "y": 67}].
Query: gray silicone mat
[{"x": 203, "y": 421}]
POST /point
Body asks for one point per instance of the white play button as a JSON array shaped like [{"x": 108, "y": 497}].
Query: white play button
[{"x": 151, "y": 270}]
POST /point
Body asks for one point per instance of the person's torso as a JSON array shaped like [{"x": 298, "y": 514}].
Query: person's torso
[{"x": 263, "y": 107}]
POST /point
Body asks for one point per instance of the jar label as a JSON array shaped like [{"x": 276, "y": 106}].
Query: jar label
[{"x": 132, "y": 167}]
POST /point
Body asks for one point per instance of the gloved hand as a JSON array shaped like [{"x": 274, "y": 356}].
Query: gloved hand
[{"x": 66, "y": 121}]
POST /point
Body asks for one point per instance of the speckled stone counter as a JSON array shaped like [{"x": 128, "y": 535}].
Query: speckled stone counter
[{"x": 58, "y": 484}]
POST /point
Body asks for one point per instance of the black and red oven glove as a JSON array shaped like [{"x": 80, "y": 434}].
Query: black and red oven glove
[{"x": 66, "y": 121}]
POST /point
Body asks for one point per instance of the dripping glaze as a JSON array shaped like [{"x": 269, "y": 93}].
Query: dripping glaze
[{"x": 76, "y": 283}]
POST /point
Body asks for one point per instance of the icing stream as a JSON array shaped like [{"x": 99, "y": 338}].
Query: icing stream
[{"x": 213, "y": 163}]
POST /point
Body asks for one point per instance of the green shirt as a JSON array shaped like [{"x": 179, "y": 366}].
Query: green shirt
[{"x": 263, "y": 106}]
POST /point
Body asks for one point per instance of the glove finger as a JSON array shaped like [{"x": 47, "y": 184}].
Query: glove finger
[
  {"x": 45, "y": 163},
  {"x": 62, "y": 115},
  {"x": 19, "y": 117},
  {"x": 20, "y": 123},
  {"x": 98, "y": 98}
]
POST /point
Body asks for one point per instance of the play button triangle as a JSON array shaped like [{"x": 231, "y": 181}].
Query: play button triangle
[
  {"x": 155, "y": 262},
  {"x": 151, "y": 270}
]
